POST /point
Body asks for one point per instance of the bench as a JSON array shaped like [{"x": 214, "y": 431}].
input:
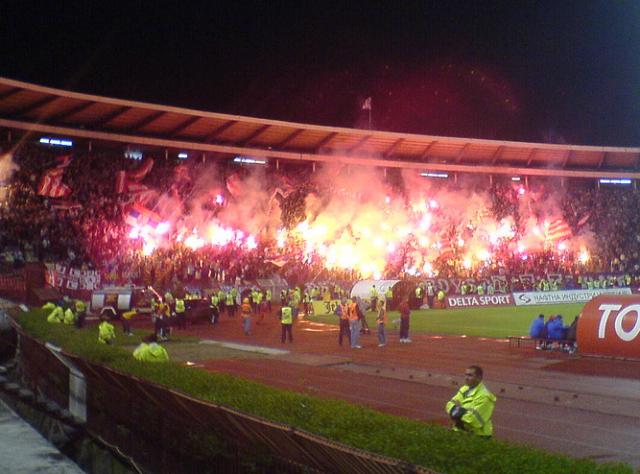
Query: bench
[
  {"x": 525, "y": 341},
  {"x": 521, "y": 341}
]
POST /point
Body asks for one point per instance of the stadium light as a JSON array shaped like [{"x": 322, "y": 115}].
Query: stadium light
[
  {"x": 249, "y": 161},
  {"x": 433, "y": 174},
  {"x": 132, "y": 154},
  {"x": 515, "y": 178},
  {"x": 183, "y": 155},
  {"x": 621, "y": 181},
  {"x": 56, "y": 141}
]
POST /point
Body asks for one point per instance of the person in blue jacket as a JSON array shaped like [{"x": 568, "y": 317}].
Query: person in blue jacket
[
  {"x": 536, "y": 331},
  {"x": 556, "y": 329}
]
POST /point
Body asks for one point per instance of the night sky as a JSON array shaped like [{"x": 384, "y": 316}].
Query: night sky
[{"x": 545, "y": 71}]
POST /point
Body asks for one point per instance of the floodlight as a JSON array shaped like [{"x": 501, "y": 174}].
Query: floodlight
[
  {"x": 56, "y": 141},
  {"x": 434, "y": 174}
]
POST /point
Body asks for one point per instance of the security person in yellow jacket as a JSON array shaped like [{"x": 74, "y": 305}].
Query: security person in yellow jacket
[
  {"x": 286, "y": 319},
  {"x": 388, "y": 297},
  {"x": 180, "y": 310},
  {"x": 215, "y": 310},
  {"x": 69, "y": 317},
  {"x": 471, "y": 408},
  {"x": 106, "y": 332},
  {"x": 151, "y": 353},
  {"x": 56, "y": 316}
]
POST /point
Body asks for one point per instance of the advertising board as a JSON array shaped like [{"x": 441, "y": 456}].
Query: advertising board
[
  {"x": 566, "y": 296},
  {"x": 610, "y": 326},
  {"x": 475, "y": 300}
]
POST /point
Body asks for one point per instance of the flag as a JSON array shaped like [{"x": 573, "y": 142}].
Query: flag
[
  {"x": 143, "y": 194},
  {"x": 366, "y": 105},
  {"x": 142, "y": 171},
  {"x": 65, "y": 205},
  {"x": 284, "y": 193},
  {"x": 51, "y": 184},
  {"x": 234, "y": 185},
  {"x": 63, "y": 161},
  {"x": 583, "y": 220},
  {"x": 129, "y": 181},
  {"x": 139, "y": 216},
  {"x": 558, "y": 230},
  {"x": 121, "y": 182}
]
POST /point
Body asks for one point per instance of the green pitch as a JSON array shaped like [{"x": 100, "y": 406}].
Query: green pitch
[{"x": 484, "y": 322}]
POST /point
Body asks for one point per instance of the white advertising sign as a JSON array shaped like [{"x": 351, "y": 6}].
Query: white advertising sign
[{"x": 567, "y": 296}]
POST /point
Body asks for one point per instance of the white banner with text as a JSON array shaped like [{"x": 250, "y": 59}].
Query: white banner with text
[{"x": 567, "y": 296}]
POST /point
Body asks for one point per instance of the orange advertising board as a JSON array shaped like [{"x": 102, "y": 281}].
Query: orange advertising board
[{"x": 610, "y": 326}]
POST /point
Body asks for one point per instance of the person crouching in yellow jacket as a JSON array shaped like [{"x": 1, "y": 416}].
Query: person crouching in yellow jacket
[
  {"x": 471, "y": 408},
  {"x": 56, "y": 316},
  {"x": 69, "y": 317},
  {"x": 106, "y": 332},
  {"x": 151, "y": 353}
]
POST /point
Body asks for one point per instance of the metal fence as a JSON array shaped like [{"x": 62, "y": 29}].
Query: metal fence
[{"x": 166, "y": 431}]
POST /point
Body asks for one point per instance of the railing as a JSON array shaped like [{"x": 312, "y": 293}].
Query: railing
[{"x": 167, "y": 431}]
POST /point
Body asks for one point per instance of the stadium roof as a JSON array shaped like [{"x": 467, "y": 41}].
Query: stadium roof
[{"x": 33, "y": 108}]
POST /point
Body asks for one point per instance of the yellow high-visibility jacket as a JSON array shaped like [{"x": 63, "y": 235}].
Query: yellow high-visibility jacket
[
  {"x": 479, "y": 403},
  {"x": 106, "y": 332}
]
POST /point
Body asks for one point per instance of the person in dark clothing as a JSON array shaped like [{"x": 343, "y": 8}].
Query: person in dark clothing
[
  {"x": 342, "y": 311},
  {"x": 571, "y": 336},
  {"x": 405, "y": 315}
]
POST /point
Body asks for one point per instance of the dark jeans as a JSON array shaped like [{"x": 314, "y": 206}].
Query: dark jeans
[
  {"x": 364, "y": 326},
  {"x": 286, "y": 329},
  {"x": 215, "y": 314},
  {"x": 126, "y": 328},
  {"x": 404, "y": 328},
  {"x": 181, "y": 320},
  {"x": 345, "y": 331},
  {"x": 80, "y": 317}
]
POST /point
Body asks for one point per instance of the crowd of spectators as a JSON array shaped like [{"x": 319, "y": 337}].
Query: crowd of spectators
[{"x": 87, "y": 230}]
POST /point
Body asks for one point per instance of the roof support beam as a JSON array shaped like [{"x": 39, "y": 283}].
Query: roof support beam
[
  {"x": 289, "y": 138},
  {"x": 567, "y": 157},
  {"x": 530, "y": 157},
  {"x": 603, "y": 158},
  {"x": 97, "y": 135},
  {"x": 359, "y": 143},
  {"x": 183, "y": 126},
  {"x": 34, "y": 105},
  {"x": 255, "y": 134},
  {"x": 325, "y": 140},
  {"x": 394, "y": 146},
  {"x": 496, "y": 156},
  {"x": 110, "y": 116},
  {"x": 217, "y": 131},
  {"x": 69, "y": 112},
  {"x": 461, "y": 153},
  {"x": 10, "y": 92},
  {"x": 140, "y": 124},
  {"x": 425, "y": 154}
]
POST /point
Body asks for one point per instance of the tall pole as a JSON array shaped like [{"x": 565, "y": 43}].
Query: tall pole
[{"x": 369, "y": 117}]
